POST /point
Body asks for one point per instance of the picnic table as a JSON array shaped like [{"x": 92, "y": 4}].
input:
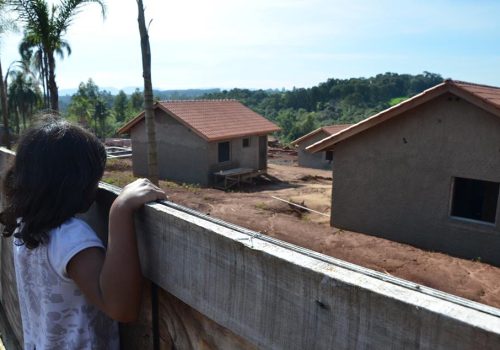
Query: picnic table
[{"x": 225, "y": 179}]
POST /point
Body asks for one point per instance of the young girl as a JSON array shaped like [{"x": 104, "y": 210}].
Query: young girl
[{"x": 70, "y": 288}]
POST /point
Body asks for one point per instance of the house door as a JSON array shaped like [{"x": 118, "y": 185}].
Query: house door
[{"x": 262, "y": 152}]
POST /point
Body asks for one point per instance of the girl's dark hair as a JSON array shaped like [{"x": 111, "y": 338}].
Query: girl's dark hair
[{"x": 55, "y": 175}]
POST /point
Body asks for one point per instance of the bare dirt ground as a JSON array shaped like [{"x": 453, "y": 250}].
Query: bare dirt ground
[{"x": 253, "y": 207}]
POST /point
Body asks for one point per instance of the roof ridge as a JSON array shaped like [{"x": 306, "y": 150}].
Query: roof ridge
[
  {"x": 469, "y": 83},
  {"x": 337, "y": 124},
  {"x": 203, "y": 100}
]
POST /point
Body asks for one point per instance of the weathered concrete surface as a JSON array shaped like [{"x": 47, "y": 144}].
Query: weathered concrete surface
[
  {"x": 242, "y": 292},
  {"x": 12, "y": 333},
  {"x": 394, "y": 180},
  {"x": 313, "y": 160},
  {"x": 278, "y": 298},
  {"x": 8, "y": 339},
  {"x": 180, "y": 326}
]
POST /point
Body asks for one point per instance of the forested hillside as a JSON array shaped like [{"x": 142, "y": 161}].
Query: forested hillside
[
  {"x": 336, "y": 101},
  {"x": 297, "y": 111}
]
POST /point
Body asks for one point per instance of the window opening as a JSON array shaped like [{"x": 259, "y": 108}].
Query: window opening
[
  {"x": 224, "y": 151},
  {"x": 246, "y": 142},
  {"x": 329, "y": 155},
  {"x": 475, "y": 199}
]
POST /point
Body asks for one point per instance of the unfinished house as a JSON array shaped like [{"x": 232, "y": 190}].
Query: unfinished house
[
  {"x": 318, "y": 160},
  {"x": 202, "y": 141},
  {"x": 425, "y": 172}
]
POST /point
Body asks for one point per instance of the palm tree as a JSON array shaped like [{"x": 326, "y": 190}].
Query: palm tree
[
  {"x": 24, "y": 95},
  {"x": 45, "y": 26},
  {"x": 34, "y": 60}
]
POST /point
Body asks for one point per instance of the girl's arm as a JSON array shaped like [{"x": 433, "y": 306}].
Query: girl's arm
[{"x": 113, "y": 280}]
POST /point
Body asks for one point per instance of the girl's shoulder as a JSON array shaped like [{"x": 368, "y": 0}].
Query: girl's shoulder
[
  {"x": 73, "y": 224},
  {"x": 67, "y": 240},
  {"x": 73, "y": 230}
]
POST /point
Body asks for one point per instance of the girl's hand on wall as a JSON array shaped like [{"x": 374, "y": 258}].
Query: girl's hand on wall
[
  {"x": 137, "y": 193},
  {"x": 113, "y": 282}
]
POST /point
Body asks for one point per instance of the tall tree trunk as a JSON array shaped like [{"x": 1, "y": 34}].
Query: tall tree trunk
[
  {"x": 45, "y": 78},
  {"x": 23, "y": 115},
  {"x": 5, "y": 111},
  {"x": 16, "y": 121},
  {"x": 54, "y": 95},
  {"x": 148, "y": 96}
]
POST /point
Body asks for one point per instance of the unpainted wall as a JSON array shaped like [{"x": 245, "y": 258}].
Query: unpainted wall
[
  {"x": 313, "y": 160},
  {"x": 240, "y": 157},
  {"x": 182, "y": 155},
  {"x": 394, "y": 180}
]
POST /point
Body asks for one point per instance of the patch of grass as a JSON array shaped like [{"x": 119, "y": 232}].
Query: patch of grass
[
  {"x": 261, "y": 206},
  {"x": 118, "y": 165},
  {"x": 191, "y": 187},
  {"x": 394, "y": 101},
  {"x": 305, "y": 218},
  {"x": 169, "y": 184},
  {"x": 118, "y": 179}
]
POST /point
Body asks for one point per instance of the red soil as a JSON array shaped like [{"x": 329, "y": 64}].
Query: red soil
[{"x": 253, "y": 207}]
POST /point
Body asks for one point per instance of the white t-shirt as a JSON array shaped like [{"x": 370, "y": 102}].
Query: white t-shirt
[{"x": 54, "y": 312}]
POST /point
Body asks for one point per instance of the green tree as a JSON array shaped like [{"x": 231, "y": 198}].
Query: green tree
[
  {"x": 136, "y": 101},
  {"x": 100, "y": 114},
  {"x": 45, "y": 26},
  {"x": 120, "y": 106},
  {"x": 24, "y": 96},
  {"x": 90, "y": 107}
]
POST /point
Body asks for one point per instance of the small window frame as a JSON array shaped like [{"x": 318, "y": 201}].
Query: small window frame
[
  {"x": 329, "y": 156},
  {"x": 245, "y": 142},
  {"x": 223, "y": 155},
  {"x": 461, "y": 189}
]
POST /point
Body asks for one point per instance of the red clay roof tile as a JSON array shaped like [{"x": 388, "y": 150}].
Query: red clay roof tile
[
  {"x": 213, "y": 119},
  {"x": 329, "y": 130},
  {"x": 484, "y": 96}
]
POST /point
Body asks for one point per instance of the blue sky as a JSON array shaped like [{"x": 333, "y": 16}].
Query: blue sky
[{"x": 279, "y": 43}]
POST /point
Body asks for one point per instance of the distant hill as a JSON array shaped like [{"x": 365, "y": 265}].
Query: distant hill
[
  {"x": 336, "y": 101},
  {"x": 65, "y": 95},
  {"x": 188, "y": 94},
  {"x": 161, "y": 94},
  {"x": 300, "y": 110}
]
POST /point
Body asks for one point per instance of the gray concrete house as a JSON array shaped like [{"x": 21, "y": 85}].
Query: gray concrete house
[
  {"x": 425, "y": 172},
  {"x": 198, "y": 138},
  {"x": 318, "y": 160}
]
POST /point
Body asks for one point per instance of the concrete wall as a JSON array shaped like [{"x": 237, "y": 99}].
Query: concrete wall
[
  {"x": 395, "y": 180},
  {"x": 313, "y": 160},
  {"x": 224, "y": 287},
  {"x": 241, "y": 157},
  {"x": 184, "y": 156}
]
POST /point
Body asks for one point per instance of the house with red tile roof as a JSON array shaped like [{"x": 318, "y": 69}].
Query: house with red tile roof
[
  {"x": 318, "y": 160},
  {"x": 198, "y": 138},
  {"x": 425, "y": 172}
]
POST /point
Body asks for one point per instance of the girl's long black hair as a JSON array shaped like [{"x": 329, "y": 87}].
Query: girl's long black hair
[{"x": 55, "y": 175}]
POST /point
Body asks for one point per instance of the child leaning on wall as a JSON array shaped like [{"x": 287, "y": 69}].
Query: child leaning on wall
[{"x": 71, "y": 291}]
